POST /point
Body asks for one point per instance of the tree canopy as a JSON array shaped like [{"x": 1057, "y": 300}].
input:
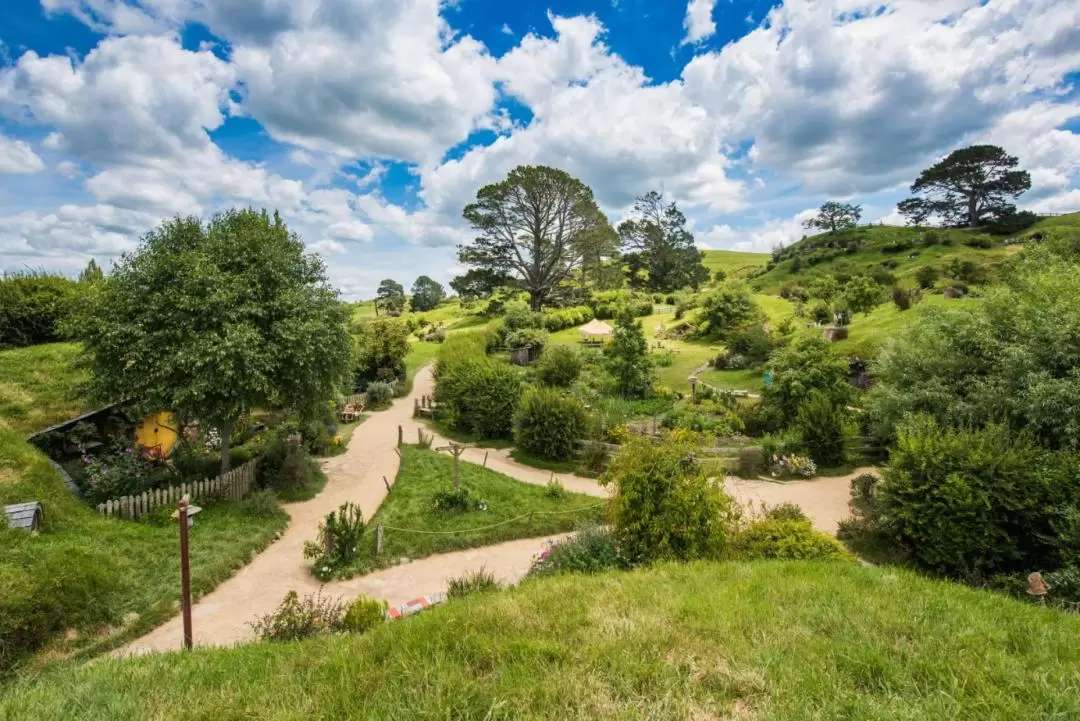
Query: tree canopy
[
  {"x": 391, "y": 296},
  {"x": 211, "y": 320},
  {"x": 379, "y": 349},
  {"x": 426, "y": 294},
  {"x": 657, "y": 241},
  {"x": 92, "y": 273},
  {"x": 972, "y": 186},
  {"x": 478, "y": 283},
  {"x": 536, "y": 225},
  {"x": 628, "y": 356},
  {"x": 833, "y": 216}
]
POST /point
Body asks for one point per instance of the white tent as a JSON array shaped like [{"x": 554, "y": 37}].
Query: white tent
[{"x": 596, "y": 329}]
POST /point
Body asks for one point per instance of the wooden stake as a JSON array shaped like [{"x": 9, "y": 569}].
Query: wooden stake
[
  {"x": 485, "y": 458},
  {"x": 185, "y": 574},
  {"x": 400, "y": 435},
  {"x": 386, "y": 483},
  {"x": 378, "y": 539}
]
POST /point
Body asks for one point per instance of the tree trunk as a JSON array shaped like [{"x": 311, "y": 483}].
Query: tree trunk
[
  {"x": 973, "y": 212},
  {"x": 226, "y": 430},
  {"x": 536, "y": 300}
]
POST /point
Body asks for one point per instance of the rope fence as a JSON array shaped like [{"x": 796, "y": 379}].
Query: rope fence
[{"x": 528, "y": 515}]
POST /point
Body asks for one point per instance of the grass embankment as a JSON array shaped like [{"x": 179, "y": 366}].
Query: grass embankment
[
  {"x": 410, "y": 506},
  {"x": 765, "y": 640},
  {"x": 84, "y": 572},
  {"x": 734, "y": 263},
  {"x": 39, "y": 386}
]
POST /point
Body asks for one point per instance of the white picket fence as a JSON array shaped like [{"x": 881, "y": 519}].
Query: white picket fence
[{"x": 231, "y": 486}]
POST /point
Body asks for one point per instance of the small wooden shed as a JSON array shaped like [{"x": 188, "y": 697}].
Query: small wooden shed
[{"x": 27, "y": 516}]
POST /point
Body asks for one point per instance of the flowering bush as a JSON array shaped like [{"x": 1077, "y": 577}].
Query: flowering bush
[
  {"x": 120, "y": 471},
  {"x": 793, "y": 465}
]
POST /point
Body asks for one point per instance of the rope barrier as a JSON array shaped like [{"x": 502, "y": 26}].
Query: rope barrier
[{"x": 494, "y": 525}]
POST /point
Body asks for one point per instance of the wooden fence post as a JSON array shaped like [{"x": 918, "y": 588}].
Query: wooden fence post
[
  {"x": 400, "y": 435},
  {"x": 386, "y": 483},
  {"x": 378, "y": 539},
  {"x": 185, "y": 573},
  {"x": 485, "y": 458}
]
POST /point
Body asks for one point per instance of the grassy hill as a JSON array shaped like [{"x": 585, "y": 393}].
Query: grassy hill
[
  {"x": 763, "y": 640},
  {"x": 39, "y": 386},
  {"x": 901, "y": 251},
  {"x": 735, "y": 264}
]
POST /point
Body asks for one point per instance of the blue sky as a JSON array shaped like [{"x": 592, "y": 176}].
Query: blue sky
[{"x": 370, "y": 124}]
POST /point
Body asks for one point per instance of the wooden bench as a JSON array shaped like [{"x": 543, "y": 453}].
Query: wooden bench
[{"x": 351, "y": 412}]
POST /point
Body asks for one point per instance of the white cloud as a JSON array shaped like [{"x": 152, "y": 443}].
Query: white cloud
[
  {"x": 16, "y": 156},
  {"x": 856, "y": 96},
  {"x": 1066, "y": 202},
  {"x": 698, "y": 23},
  {"x": 507, "y": 30},
  {"x": 101, "y": 230},
  {"x": 324, "y": 247},
  {"x": 773, "y": 233}
]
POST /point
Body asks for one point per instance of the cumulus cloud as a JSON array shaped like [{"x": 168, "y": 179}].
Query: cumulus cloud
[
  {"x": 16, "y": 156},
  {"x": 762, "y": 239},
  {"x": 855, "y": 96},
  {"x": 698, "y": 23}
]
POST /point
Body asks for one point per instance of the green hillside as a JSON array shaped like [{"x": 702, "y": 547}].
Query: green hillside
[
  {"x": 764, "y": 640},
  {"x": 735, "y": 264},
  {"x": 39, "y": 386}
]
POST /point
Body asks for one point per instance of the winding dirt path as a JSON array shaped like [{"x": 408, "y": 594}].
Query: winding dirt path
[{"x": 221, "y": 617}]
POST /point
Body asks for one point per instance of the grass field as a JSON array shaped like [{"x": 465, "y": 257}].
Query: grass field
[
  {"x": 867, "y": 332},
  {"x": 409, "y": 506},
  {"x": 735, "y": 264},
  {"x": 39, "y": 386},
  {"x": 447, "y": 313},
  {"x": 768, "y": 641}
]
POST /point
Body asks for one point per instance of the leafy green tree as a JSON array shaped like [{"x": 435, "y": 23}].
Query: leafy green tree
[
  {"x": 478, "y": 283},
  {"x": 536, "y": 225},
  {"x": 1013, "y": 359},
  {"x": 823, "y": 287},
  {"x": 861, "y": 294},
  {"x": 823, "y": 426},
  {"x": 391, "y": 296},
  {"x": 211, "y": 320},
  {"x": 426, "y": 294},
  {"x": 972, "y": 186},
  {"x": 657, "y": 241},
  {"x": 926, "y": 276},
  {"x": 664, "y": 505},
  {"x": 547, "y": 423},
  {"x": 833, "y": 217},
  {"x": 92, "y": 273},
  {"x": 806, "y": 365},
  {"x": 727, "y": 309},
  {"x": 379, "y": 350},
  {"x": 628, "y": 356}
]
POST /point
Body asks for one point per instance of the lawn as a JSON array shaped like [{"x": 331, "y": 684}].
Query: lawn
[
  {"x": 867, "y": 332},
  {"x": 86, "y": 572},
  {"x": 770, "y": 641},
  {"x": 736, "y": 380},
  {"x": 39, "y": 386},
  {"x": 409, "y": 508},
  {"x": 420, "y": 355}
]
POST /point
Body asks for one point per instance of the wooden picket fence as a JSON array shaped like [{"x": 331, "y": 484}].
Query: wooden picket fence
[{"x": 231, "y": 486}]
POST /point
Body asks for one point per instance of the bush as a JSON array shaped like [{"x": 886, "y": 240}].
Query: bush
[
  {"x": 727, "y": 309},
  {"x": 457, "y": 499},
  {"x": 467, "y": 584},
  {"x": 364, "y": 614},
  {"x": 901, "y": 298},
  {"x": 559, "y": 366},
  {"x": 926, "y": 276},
  {"x": 526, "y": 338},
  {"x": 786, "y": 539},
  {"x": 823, "y": 426},
  {"x": 339, "y": 539},
  {"x": 606, "y": 304},
  {"x": 628, "y": 357},
  {"x": 806, "y": 365},
  {"x": 475, "y": 394},
  {"x": 750, "y": 463},
  {"x": 972, "y": 503},
  {"x": 121, "y": 471},
  {"x": 298, "y": 618},
  {"x": 1014, "y": 222},
  {"x": 379, "y": 394},
  {"x": 547, "y": 423},
  {"x": 262, "y": 504},
  {"x": 786, "y": 511},
  {"x": 562, "y": 318},
  {"x": 664, "y": 505},
  {"x": 36, "y": 308},
  {"x": 555, "y": 491},
  {"x": 379, "y": 349},
  {"x": 591, "y": 549}
]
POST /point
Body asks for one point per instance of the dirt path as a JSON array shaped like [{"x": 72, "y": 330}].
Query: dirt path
[
  {"x": 220, "y": 618},
  {"x": 824, "y": 500}
]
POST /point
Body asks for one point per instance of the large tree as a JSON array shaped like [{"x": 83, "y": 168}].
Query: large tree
[
  {"x": 209, "y": 320},
  {"x": 970, "y": 187},
  {"x": 657, "y": 241},
  {"x": 478, "y": 283},
  {"x": 536, "y": 225},
  {"x": 426, "y": 294},
  {"x": 391, "y": 296},
  {"x": 833, "y": 217}
]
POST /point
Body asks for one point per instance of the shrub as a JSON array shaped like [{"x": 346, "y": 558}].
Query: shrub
[
  {"x": 518, "y": 316},
  {"x": 457, "y": 499},
  {"x": 562, "y": 318},
  {"x": 297, "y": 618},
  {"x": 295, "y": 473},
  {"x": 806, "y": 365},
  {"x": 786, "y": 511},
  {"x": 926, "y": 276},
  {"x": 339, "y": 539},
  {"x": 750, "y": 463},
  {"x": 788, "y": 539},
  {"x": 727, "y": 309},
  {"x": 972, "y": 503},
  {"x": 379, "y": 349},
  {"x": 36, "y": 308},
  {"x": 526, "y": 338},
  {"x": 823, "y": 426},
  {"x": 591, "y": 549},
  {"x": 628, "y": 357},
  {"x": 262, "y": 504},
  {"x": 379, "y": 394},
  {"x": 901, "y": 298},
  {"x": 983, "y": 242},
  {"x": 559, "y": 366},
  {"x": 120, "y": 471},
  {"x": 555, "y": 491},
  {"x": 467, "y": 584},
  {"x": 547, "y": 423},
  {"x": 664, "y": 505},
  {"x": 792, "y": 466},
  {"x": 435, "y": 334},
  {"x": 606, "y": 304},
  {"x": 364, "y": 614},
  {"x": 475, "y": 394}
]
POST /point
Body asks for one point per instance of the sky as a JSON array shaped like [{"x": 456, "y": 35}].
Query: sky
[{"x": 369, "y": 124}]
